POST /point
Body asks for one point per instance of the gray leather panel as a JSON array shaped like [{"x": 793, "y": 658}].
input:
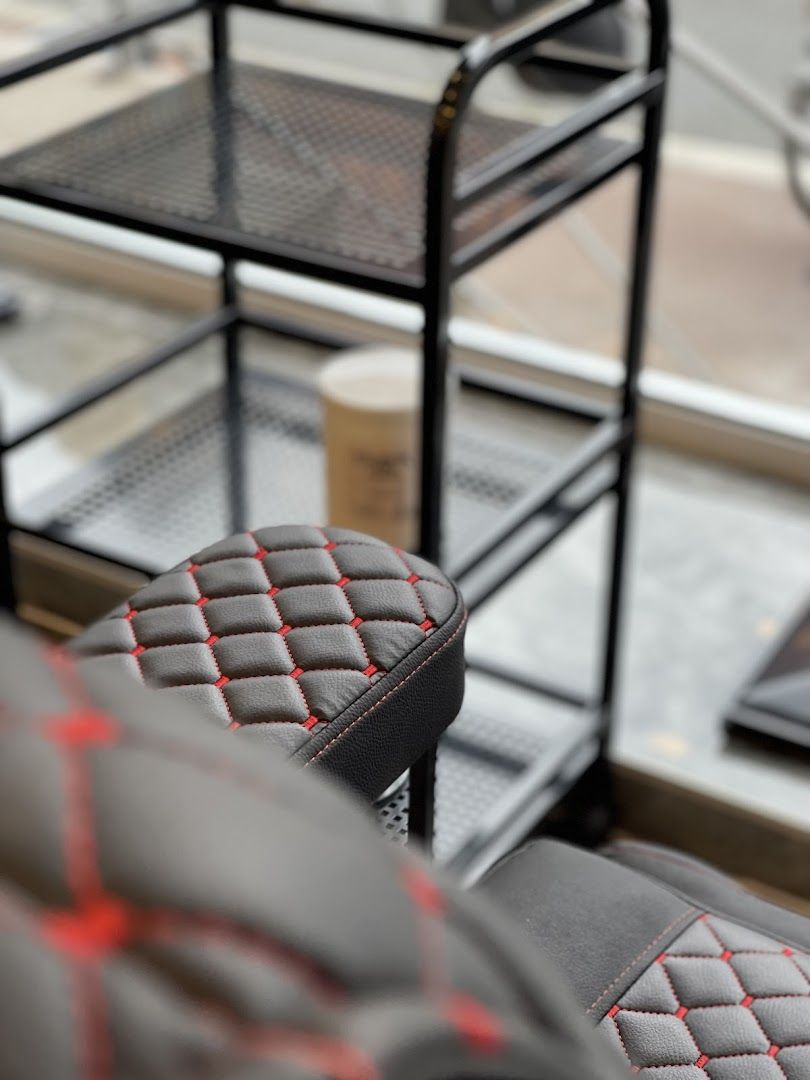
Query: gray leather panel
[
  {"x": 711, "y": 889},
  {"x": 601, "y": 923}
]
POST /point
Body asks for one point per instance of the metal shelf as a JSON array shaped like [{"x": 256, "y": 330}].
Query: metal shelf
[
  {"x": 320, "y": 172},
  {"x": 388, "y": 194},
  {"x": 159, "y": 495}
]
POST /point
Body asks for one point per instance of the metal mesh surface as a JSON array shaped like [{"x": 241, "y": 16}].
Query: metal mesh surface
[
  {"x": 165, "y": 493},
  {"x": 318, "y": 167},
  {"x": 480, "y": 758}
]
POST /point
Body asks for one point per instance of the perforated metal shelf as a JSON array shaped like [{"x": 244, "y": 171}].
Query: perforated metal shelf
[
  {"x": 165, "y": 492},
  {"x": 320, "y": 170}
]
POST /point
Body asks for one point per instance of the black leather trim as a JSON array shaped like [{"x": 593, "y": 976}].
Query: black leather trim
[
  {"x": 709, "y": 888},
  {"x": 599, "y": 922},
  {"x": 400, "y": 717}
]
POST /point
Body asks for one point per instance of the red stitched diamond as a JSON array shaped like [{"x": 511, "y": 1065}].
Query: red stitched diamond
[
  {"x": 475, "y": 1024},
  {"x": 101, "y": 926},
  {"x": 82, "y": 728},
  {"x": 423, "y": 890}
]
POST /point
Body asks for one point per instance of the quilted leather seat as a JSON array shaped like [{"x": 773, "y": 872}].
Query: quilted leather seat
[
  {"x": 341, "y": 651},
  {"x": 686, "y": 974},
  {"x": 179, "y": 903}
]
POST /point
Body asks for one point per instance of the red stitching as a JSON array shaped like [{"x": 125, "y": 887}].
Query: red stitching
[
  {"x": 282, "y": 633},
  {"x": 412, "y": 580},
  {"x": 342, "y": 583},
  {"x": 81, "y": 868},
  {"x": 681, "y": 918},
  {"x": 481, "y": 1029},
  {"x": 163, "y": 924},
  {"x": 321, "y": 1054},
  {"x": 222, "y": 678},
  {"x": 394, "y": 690}
]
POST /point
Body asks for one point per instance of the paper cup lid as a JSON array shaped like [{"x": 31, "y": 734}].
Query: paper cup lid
[{"x": 375, "y": 377}]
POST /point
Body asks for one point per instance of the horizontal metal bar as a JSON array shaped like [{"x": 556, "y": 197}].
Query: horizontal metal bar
[
  {"x": 107, "y": 384},
  {"x": 515, "y": 677},
  {"x": 299, "y": 331},
  {"x": 75, "y": 46},
  {"x": 539, "y": 145},
  {"x": 517, "y": 39},
  {"x": 199, "y": 234},
  {"x": 609, "y": 436},
  {"x": 55, "y": 536},
  {"x": 546, "y": 397},
  {"x": 554, "y": 57},
  {"x": 530, "y": 799},
  {"x": 546, "y": 207},
  {"x": 527, "y": 543}
]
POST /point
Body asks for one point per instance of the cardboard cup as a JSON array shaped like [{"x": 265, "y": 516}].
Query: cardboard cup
[{"x": 371, "y": 401}]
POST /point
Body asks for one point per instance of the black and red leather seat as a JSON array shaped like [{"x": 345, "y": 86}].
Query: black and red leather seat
[
  {"x": 685, "y": 973},
  {"x": 175, "y": 900},
  {"x": 179, "y": 903},
  {"x": 342, "y": 652}
]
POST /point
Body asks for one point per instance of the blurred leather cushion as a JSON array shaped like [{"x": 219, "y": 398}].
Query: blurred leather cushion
[{"x": 175, "y": 902}]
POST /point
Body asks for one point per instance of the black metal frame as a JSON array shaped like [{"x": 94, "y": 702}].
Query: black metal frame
[{"x": 539, "y": 518}]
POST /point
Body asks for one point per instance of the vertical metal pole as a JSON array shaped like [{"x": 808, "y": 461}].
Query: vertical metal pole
[
  {"x": 225, "y": 191},
  {"x": 633, "y": 354},
  {"x": 234, "y": 412},
  {"x": 8, "y": 598},
  {"x": 439, "y": 207}
]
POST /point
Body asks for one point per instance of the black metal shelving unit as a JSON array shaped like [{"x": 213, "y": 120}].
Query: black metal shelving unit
[{"x": 395, "y": 197}]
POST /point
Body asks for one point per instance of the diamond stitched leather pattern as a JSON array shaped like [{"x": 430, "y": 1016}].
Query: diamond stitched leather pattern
[
  {"x": 724, "y": 1002},
  {"x": 285, "y": 626}
]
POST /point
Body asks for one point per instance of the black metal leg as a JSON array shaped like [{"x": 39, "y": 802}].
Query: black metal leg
[
  {"x": 422, "y": 799},
  {"x": 634, "y": 348},
  {"x": 225, "y": 181},
  {"x": 234, "y": 418},
  {"x": 8, "y": 597}
]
